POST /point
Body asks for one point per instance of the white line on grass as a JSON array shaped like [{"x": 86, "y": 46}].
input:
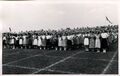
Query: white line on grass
[
  {"x": 54, "y": 56},
  {"x": 57, "y": 62},
  {"x": 93, "y": 59},
  {"x": 59, "y": 71},
  {"x": 107, "y": 67},
  {"x": 81, "y": 58},
  {"x": 26, "y": 58},
  {"x": 21, "y": 67}
]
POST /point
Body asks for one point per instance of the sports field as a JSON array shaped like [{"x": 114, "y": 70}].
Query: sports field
[{"x": 35, "y": 61}]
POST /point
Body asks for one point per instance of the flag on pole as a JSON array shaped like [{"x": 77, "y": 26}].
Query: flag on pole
[
  {"x": 108, "y": 20},
  {"x": 10, "y": 29}
]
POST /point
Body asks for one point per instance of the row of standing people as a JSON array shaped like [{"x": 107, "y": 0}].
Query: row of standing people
[{"x": 91, "y": 41}]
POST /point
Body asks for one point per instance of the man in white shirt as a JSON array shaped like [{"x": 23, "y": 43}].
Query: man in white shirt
[{"x": 104, "y": 41}]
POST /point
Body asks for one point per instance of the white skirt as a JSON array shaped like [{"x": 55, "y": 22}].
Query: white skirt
[
  {"x": 64, "y": 42},
  {"x": 39, "y": 42},
  {"x": 86, "y": 41},
  {"x": 20, "y": 42},
  {"x": 35, "y": 42},
  {"x": 60, "y": 43},
  {"x": 97, "y": 43},
  {"x": 24, "y": 41},
  {"x": 12, "y": 41}
]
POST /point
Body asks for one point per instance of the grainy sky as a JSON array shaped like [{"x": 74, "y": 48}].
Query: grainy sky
[{"x": 22, "y": 16}]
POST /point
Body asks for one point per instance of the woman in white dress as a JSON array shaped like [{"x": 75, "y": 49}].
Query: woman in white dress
[
  {"x": 21, "y": 41},
  {"x": 97, "y": 42},
  {"x": 24, "y": 41},
  {"x": 60, "y": 40},
  {"x": 44, "y": 42},
  {"x": 77, "y": 42},
  {"x": 64, "y": 41},
  {"x": 34, "y": 41},
  {"x": 82, "y": 39},
  {"x": 40, "y": 42},
  {"x": 86, "y": 42},
  {"x": 12, "y": 41},
  {"x": 56, "y": 42}
]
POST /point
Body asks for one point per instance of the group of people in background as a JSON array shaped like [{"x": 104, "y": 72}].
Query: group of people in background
[{"x": 95, "y": 39}]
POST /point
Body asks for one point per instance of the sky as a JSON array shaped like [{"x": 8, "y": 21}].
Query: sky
[{"x": 22, "y": 16}]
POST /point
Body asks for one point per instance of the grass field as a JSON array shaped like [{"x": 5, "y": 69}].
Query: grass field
[{"x": 35, "y": 61}]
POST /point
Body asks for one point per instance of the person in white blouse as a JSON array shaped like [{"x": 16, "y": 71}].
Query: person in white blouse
[
  {"x": 104, "y": 41},
  {"x": 35, "y": 41},
  {"x": 97, "y": 41},
  {"x": 44, "y": 39},
  {"x": 60, "y": 40},
  {"x": 21, "y": 41},
  {"x": 39, "y": 42},
  {"x": 25, "y": 41},
  {"x": 86, "y": 41},
  {"x": 12, "y": 41},
  {"x": 64, "y": 42}
]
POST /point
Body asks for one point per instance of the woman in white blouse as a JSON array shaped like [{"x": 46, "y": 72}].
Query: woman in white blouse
[{"x": 86, "y": 42}]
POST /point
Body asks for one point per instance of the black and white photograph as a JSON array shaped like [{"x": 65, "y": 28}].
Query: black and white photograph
[{"x": 63, "y": 38}]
